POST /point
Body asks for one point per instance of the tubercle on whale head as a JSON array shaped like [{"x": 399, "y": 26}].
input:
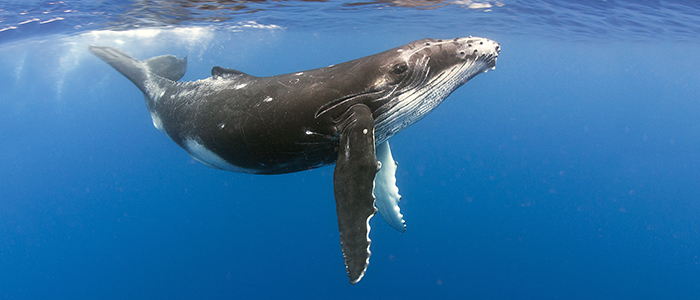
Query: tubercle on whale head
[
  {"x": 442, "y": 54},
  {"x": 439, "y": 55},
  {"x": 471, "y": 48},
  {"x": 463, "y": 45},
  {"x": 395, "y": 65},
  {"x": 481, "y": 53}
]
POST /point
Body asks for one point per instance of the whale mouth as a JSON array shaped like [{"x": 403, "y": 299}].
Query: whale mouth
[
  {"x": 486, "y": 50},
  {"x": 486, "y": 54},
  {"x": 489, "y": 60},
  {"x": 480, "y": 49}
]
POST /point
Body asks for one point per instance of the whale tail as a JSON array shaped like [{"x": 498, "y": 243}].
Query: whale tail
[{"x": 166, "y": 68}]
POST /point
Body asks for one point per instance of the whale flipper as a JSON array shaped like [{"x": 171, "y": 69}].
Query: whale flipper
[
  {"x": 385, "y": 189},
  {"x": 353, "y": 183}
]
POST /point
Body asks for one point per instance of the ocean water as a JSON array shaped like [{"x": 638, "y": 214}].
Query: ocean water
[{"x": 572, "y": 171}]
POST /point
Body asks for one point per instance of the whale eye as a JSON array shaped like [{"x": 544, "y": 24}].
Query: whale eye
[{"x": 399, "y": 68}]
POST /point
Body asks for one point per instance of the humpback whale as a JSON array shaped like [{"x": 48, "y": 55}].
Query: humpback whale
[{"x": 342, "y": 114}]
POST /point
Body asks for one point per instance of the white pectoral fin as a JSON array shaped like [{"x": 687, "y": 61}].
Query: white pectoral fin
[{"x": 385, "y": 190}]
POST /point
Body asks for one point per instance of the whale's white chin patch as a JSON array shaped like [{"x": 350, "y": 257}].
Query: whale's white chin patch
[{"x": 205, "y": 156}]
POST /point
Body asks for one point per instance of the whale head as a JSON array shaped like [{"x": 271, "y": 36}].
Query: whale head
[{"x": 421, "y": 74}]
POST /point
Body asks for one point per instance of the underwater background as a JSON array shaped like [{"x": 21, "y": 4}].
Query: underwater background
[{"x": 572, "y": 171}]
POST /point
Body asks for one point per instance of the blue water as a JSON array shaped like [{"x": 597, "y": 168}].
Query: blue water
[{"x": 572, "y": 171}]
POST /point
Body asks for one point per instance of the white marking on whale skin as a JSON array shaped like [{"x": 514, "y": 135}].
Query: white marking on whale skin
[
  {"x": 298, "y": 74},
  {"x": 267, "y": 99},
  {"x": 205, "y": 156},
  {"x": 369, "y": 241},
  {"x": 311, "y": 132},
  {"x": 240, "y": 86},
  {"x": 347, "y": 147},
  {"x": 385, "y": 189},
  {"x": 222, "y": 125},
  {"x": 157, "y": 122},
  {"x": 380, "y": 82},
  {"x": 369, "y": 252},
  {"x": 155, "y": 91},
  {"x": 481, "y": 46},
  {"x": 186, "y": 94}
]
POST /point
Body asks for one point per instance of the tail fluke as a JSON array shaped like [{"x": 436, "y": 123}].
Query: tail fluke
[
  {"x": 167, "y": 66},
  {"x": 140, "y": 72}
]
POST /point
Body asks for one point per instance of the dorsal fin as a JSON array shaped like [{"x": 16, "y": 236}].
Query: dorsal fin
[{"x": 219, "y": 72}]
